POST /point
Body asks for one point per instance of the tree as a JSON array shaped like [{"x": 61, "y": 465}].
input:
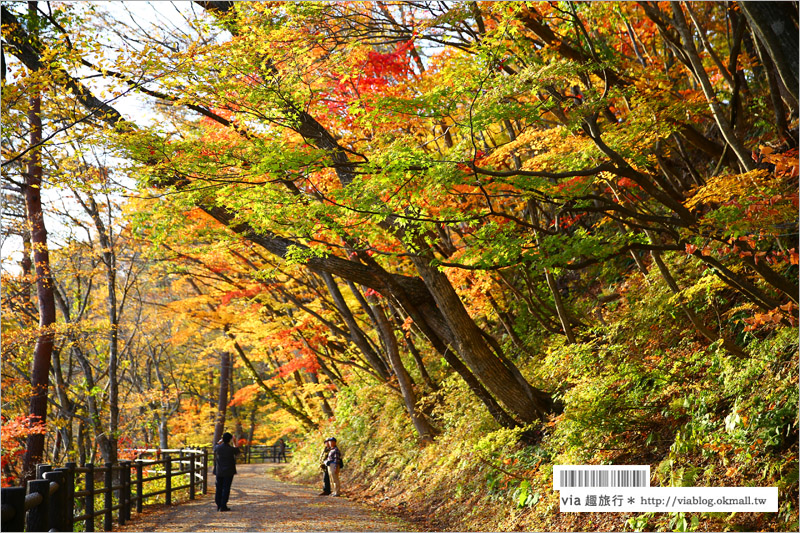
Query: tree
[{"x": 40, "y": 369}]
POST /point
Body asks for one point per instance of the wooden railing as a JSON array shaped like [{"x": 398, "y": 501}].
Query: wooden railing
[
  {"x": 259, "y": 453},
  {"x": 50, "y": 502}
]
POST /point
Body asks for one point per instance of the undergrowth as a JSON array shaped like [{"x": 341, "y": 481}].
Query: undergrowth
[{"x": 642, "y": 387}]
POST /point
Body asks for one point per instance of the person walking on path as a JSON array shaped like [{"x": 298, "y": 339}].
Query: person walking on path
[
  {"x": 282, "y": 450},
  {"x": 224, "y": 468},
  {"x": 334, "y": 462},
  {"x": 326, "y": 479}
]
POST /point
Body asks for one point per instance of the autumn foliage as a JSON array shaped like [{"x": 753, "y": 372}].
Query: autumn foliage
[{"x": 515, "y": 234}]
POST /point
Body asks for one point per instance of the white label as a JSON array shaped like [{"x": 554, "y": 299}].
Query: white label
[
  {"x": 590, "y": 476},
  {"x": 670, "y": 499}
]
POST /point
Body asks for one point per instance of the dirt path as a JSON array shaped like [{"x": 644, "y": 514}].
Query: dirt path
[{"x": 260, "y": 503}]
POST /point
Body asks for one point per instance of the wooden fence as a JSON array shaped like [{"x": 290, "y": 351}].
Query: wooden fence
[
  {"x": 258, "y": 453},
  {"x": 50, "y": 502}
]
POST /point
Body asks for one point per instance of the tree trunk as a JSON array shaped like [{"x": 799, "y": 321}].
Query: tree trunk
[
  {"x": 708, "y": 90},
  {"x": 431, "y": 323},
  {"x": 421, "y": 424},
  {"x": 781, "y": 125},
  {"x": 693, "y": 318},
  {"x": 775, "y": 23},
  {"x": 222, "y": 397},
  {"x": 524, "y": 401},
  {"x": 356, "y": 333},
  {"x": 40, "y": 379},
  {"x": 323, "y": 401},
  {"x": 163, "y": 432},
  {"x": 560, "y": 310},
  {"x": 412, "y": 348},
  {"x": 109, "y": 259}
]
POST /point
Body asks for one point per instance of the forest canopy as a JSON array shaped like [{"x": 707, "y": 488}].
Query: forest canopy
[{"x": 550, "y": 232}]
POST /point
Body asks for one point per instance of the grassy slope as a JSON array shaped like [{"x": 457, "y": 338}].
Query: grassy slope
[{"x": 643, "y": 389}]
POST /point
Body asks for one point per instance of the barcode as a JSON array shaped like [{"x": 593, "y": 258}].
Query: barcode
[
  {"x": 603, "y": 478},
  {"x": 578, "y": 476}
]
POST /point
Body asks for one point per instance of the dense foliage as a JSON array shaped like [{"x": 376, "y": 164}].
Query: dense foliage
[{"x": 474, "y": 239}]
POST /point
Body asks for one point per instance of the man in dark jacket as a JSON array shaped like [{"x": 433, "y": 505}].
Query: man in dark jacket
[{"x": 224, "y": 468}]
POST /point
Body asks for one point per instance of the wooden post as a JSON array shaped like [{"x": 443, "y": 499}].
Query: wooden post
[
  {"x": 205, "y": 470},
  {"x": 15, "y": 497},
  {"x": 57, "y": 500},
  {"x": 124, "y": 492},
  {"x": 41, "y": 470},
  {"x": 89, "y": 498},
  {"x": 39, "y": 516},
  {"x": 168, "y": 468},
  {"x": 128, "y": 490},
  {"x": 108, "y": 518},
  {"x": 69, "y": 511},
  {"x": 139, "y": 487},
  {"x": 192, "y": 457}
]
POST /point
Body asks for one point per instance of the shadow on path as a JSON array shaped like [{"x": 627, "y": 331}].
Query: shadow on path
[{"x": 260, "y": 503}]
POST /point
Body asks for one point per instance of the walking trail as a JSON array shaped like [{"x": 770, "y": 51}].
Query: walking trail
[{"x": 261, "y": 503}]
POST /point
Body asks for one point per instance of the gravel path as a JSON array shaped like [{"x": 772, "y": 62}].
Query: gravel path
[{"x": 261, "y": 503}]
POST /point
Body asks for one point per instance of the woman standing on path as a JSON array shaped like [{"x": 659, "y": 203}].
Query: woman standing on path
[
  {"x": 333, "y": 462},
  {"x": 224, "y": 469},
  {"x": 326, "y": 479}
]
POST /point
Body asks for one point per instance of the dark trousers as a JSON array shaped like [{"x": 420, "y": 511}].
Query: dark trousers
[
  {"x": 326, "y": 481},
  {"x": 223, "y": 491}
]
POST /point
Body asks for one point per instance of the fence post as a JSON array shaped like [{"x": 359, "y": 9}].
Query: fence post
[
  {"x": 69, "y": 511},
  {"x": 205, "y": 470},
  {"x": 192, "y": 457},
  {"x": 108, "y": 519},
  {"x": 124, "y": 492},
  {"x": 15, "y": 497},
  {"x": 89, "y": 498},
  {"x": 57, "y": 501},
  {"x": 139, "y": 483},
  {"x": 41, "y": 470},
  {"x": 128, "y": 490},
  {"x": 39, "y": 516},
  {"x": 168, "y": 469}
]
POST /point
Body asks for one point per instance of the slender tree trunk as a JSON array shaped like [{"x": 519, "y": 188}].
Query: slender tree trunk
[
  {"x": 560, "y": 310},
  {"x": 109, "y": 259},
  {"x": 82, "y": 452},
  {"x": 412, "y": 348},
  {"x": 27, "y": 263},
  {"x": 163, "y": 431},
  {"x": 507, "y": 322},
  {"x": 222, "y": 397},
  {"x": 421, "y": 424},
  {"x": 356, "y": 334},
  {"x": 725, "y": 128},
  {"x": 781, "y": 125},
  {"x": 323, "y": 401},
  {"x": 37, "y": 406},
  {"x": 252, "y": 429},
  {"x": 693, "y": 318}
]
